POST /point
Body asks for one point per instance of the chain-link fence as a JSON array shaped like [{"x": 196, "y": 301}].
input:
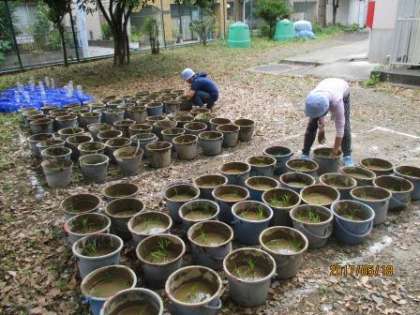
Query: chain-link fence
[{"x": 28, "y": 39}]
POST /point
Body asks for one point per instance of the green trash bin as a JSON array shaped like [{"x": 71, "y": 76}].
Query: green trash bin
[
  {"x": 285, "y": 30},
  {"x": 239, "y": 35}
]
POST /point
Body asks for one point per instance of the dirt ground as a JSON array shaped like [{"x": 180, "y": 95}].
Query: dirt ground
[{"x": 37, "y": 270}]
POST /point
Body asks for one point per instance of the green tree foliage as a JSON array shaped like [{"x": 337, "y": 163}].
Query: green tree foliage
[
  {"x": 151, "y": 29},
  {"x": 203, "y": 27},
  {"x": 270, "y": 11}
]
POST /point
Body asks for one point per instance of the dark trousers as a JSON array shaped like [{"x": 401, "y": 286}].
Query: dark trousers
[
  {"x": 201, "y": 98},
  {"x": 312, "y": 128}
]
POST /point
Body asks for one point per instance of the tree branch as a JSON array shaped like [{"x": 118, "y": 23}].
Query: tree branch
[{"x": 102, "y": 8}]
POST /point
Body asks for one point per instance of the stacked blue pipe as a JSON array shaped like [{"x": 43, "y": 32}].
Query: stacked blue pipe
[{"x": 13, "y": 99}]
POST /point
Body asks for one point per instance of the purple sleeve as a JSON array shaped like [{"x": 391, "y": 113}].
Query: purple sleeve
[{"x": 339, "y": 117}]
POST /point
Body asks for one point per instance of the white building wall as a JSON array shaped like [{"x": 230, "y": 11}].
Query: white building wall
[{"x": 382, "y": 33}]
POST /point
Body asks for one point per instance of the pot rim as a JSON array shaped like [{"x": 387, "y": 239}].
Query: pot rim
[
  {"x": 217, "y": 222},
  {"x": 370, "y": 187},
  {"x": 166, "y": 131},
  {"x": 193, "y": 139},
  {"x": 322, "y": 180},
  {"x": 214, "y": 119},
  {"x": 201, "y": 135},
  {"x": 238, "y": 217},
  {"x": 273, "y": 163},
  {"x": 212, "y": 217},
  {"x": 233, "y": 186},
  {"x": 304, "y": 160},
  {"x": 220, "y": 127},
  {"x": 248, "y": 167},
  {"x": 208, "y": 175},
  {"x": 168, "y": 146},
  {"x": 196, "y": 196},
  {"x": 143, "y": 212},
  {"x": 44, "y": 134},
  {"x": 356, "y": 168},
  {"x": 96, "y": 143},
  {"x": 271, "y": 252},
  {"x": 267, "y": 277},
  {"x": 398, "y": 178},
  {"x": 316, "y": 150},
  {"x": 103, "y": 191},
  {"x": 281, "y": 178},
  {"x": 413, "y": 178},
  {"x": 323, "y": 208},
  {"x": 290, "y": 153},
  {"x": 363, "y": 205},
  {"x": 115, "y": 215},
  {"x": 98, "y": 204},
  {"x": 68, "y": 230},
  {"x": 390, "y": 168},
  {"x": 242, "y": 119},
  {"x": 103, "y": 156},
  {"x": 249, "y": 186},
  {"x": 284, "y": 189},
  {"x": 101, "y": 269},
  {"x": 149, "y": 292},
  {"x": 167, "y": 235},
  {"x": 217, "y": 294},
  {"x": 323, "y": 186},
  {"x": 80, "y": 256}
]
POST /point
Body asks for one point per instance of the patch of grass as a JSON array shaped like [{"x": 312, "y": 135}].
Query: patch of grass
[{"x": 374, "y": 79}]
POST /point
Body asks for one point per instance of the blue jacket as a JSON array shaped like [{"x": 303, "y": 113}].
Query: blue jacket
[{"x": 200, "y": 82}]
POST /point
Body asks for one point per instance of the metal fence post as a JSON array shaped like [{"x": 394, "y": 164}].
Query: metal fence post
[
  {"x": 76, "y": 45},
  {"x": 13, "y": 34},
  {"x": 163, "y": 23}
]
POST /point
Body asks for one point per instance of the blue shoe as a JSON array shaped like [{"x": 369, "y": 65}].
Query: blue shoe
[
  {"x": 305, "y": 157},
  {"x": 348, "y": 161}
]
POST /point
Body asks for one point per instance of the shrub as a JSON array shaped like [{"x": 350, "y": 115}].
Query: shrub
[
  {"x": 151, "y": 29},
  {"x": 270, "y": 11},
  {"x": 106, "y": 31},
  {"x": 203, "y": 28}
]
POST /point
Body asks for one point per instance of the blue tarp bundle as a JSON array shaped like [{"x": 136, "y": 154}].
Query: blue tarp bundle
[
  {"x": 11, "y": 100},
  {"x": 303, "y": 29}
]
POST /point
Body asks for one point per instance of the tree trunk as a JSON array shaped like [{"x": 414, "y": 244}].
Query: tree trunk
[
  {"x": 322, "y": 13},
  {"x": 63, "y": 43},
  {"x": 335, "y": 9}
]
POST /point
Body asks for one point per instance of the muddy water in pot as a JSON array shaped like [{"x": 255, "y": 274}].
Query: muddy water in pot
[
  {"x": 318, "y": 199},
  {"x": 210, "y": 238},
  {"x": 249, "y": 271},
  {"x": 150, "y": 226},
  {"x": 181, "y": 197},
  {"x": 284, "y": 246},
  {"x": 231, "y": 197},
  {"x": 261, "y": 186},
  {"x": 194, "y": 291},
  {"x": 108, "y": 286},
  {"x": 198, "y": 214}
]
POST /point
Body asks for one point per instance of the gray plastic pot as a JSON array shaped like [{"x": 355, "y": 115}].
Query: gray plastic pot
[
  {"x": 66, "y": 121},
  {"x": 104, "y": 136},
  {"x": 296, "y": 181},
  {"x": 320, "y": 195},
  {"x": 137, "y": 113},
  {"x": 183, "y": 119},
  {"x": 211, "y": 142},
  {"x": 84, "y": 250},
  {"x": 86, "y": 224},
  {"x": 246, "y": 129},
  {"x": 186, "y": 146},
  {"x": 57, "y": 173},
  {"x": 375, "y": 197},
  {"x": 156, "y": 272},
  {"x": 96, "y": 128},
  {"x": 236, "y": 172},
  {"x": 114, "y": 144},
  {"x": 120, "y": 190},
  {"x": 363, "y": 176},
  {"x": 154, "y": 109},
  {"x": 257, "y": 185},
  {"x": 210, "y": 242},
  {"x": 121, "y": 276},
  {"x": 139, "y": 128},
  {"x": 124, "y": 125},
  {"x": 378, "y": 166},
  {"x": 288, "y": 260},
  {"x": 176, "y": 194},
  {"x": 135, "y": 300},
  {"x": 262, "y": 165},
  {"x": 281, "y": 201},
  {"x": 73, "y": 143},
  {"x": 343, "y": 183},
  {"x": 121, "y": 211},
  {"x": 35, "y": 139},
  {"x": 412, "y": 174},
  {"x": 91, "y": 148},
  {"x": 163, "y": 124},
  {"x": 327, "y": 161},
  {"x": 230, "y": 135},
  {"x": 226, "y": 196},
  {"x": 86, "y": 119},
  {"x": 80, "y": 204},
  {"x": 148, "y": 223},
  {"x": 129, "y": 160},
  {"x": 400, "y": 189},
  {"x": 248, "y": 228},
  {"x": 49, "y": 143},
  {"x": 195, "y": 128},
  {"x": 309, "y": 167},
  {"x": 94, "y": 167},
  {"x": 353, "y": 221},
  {"x": 210, "y": 304},
  {"x": 41, "y": 125},
  {"x": 246, "y": 290},
  {"x": 218, "y": 121},
  {"x": 317, "y": 233},
  {"x": 67, "y": 132},
  {"x": 56, "y": 154},
  {"x": 197, "y": 210},
  {"x": 159, "y": 154},
  {"x": 207, "y": 183},
  {"x": 282, "y": 155},
  {"x": 144, "y": 139},
  {"x": 113, "y": 115}
]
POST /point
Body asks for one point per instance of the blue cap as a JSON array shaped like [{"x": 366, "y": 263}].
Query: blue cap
[{"x": 316, "y": 105}]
